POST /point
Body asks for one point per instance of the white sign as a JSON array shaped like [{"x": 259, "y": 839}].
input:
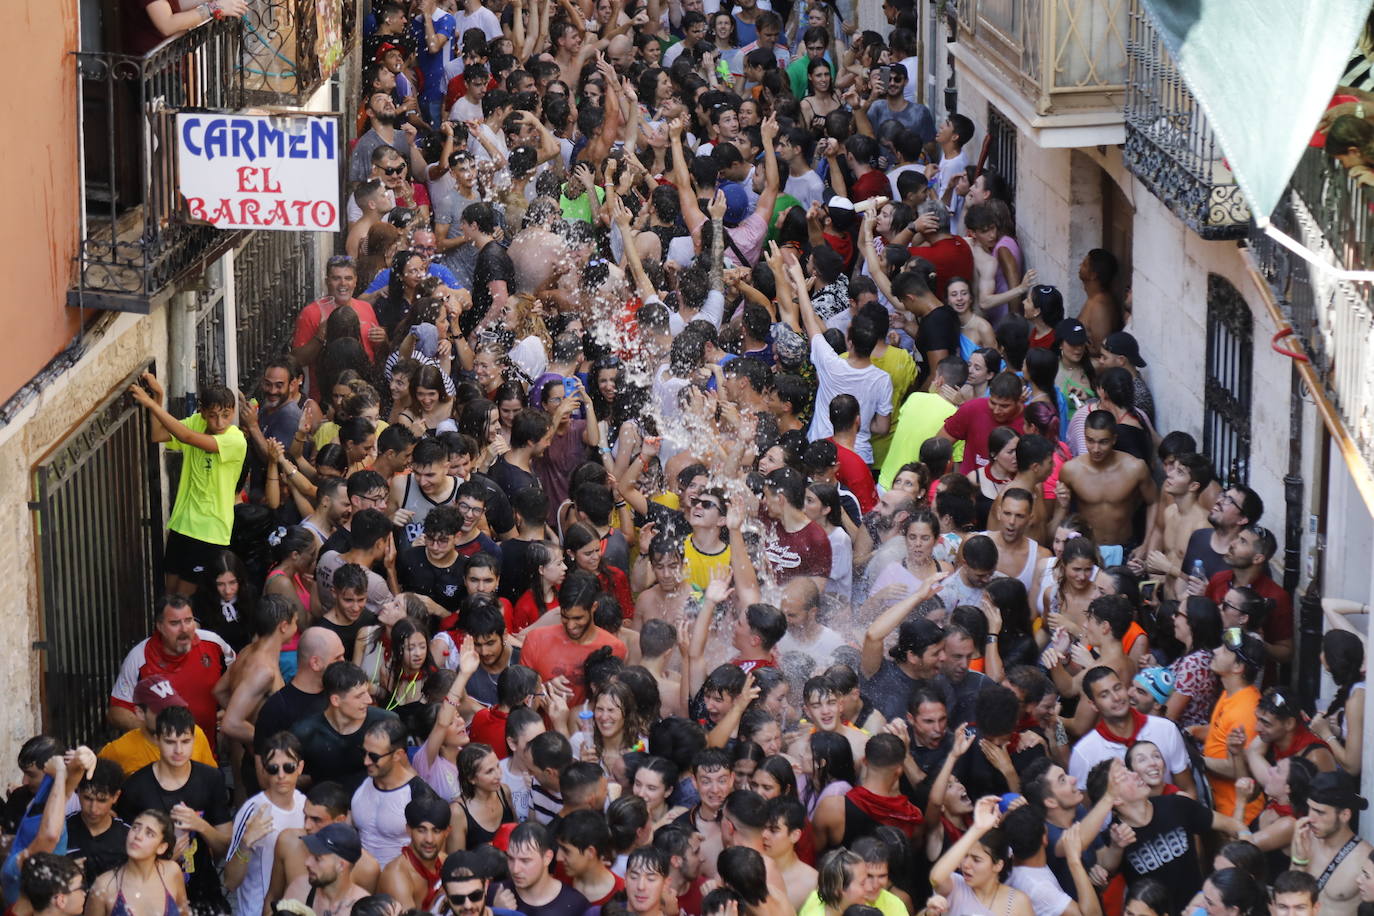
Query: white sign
[{"x": 260, "y": 171}]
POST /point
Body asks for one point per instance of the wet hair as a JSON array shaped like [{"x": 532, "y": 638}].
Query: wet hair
[
  {"x": 1153, "y": 894},
  {"x": 1238, "y": 889},
  {"x": 833, "y": 759},
  {"x": 1344, "y": 653},
  {"x": 1204, "y": 622},
  {"x": 836, "y": 870},
  {"x": 44, "y": 876},
  {"x": 1248, "y": 857}
]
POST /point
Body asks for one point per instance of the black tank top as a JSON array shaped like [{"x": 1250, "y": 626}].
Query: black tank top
[{"x": 477, "y": 834}]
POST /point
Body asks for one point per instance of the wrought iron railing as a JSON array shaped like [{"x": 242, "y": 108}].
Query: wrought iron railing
[
  {"x": 1169, "y": 143},
  {"x": 98, "y": 519},
  {"x": 1332, "y": 214},
  {"x": 291, "y": 47},
  {"x": 1064, "y": 55},
  {"x": 136, "y": 239},
  {"x": 274, "y": 276}
]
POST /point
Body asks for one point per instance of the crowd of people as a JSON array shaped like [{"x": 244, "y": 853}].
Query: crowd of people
[{"x": 684, "y": 500}]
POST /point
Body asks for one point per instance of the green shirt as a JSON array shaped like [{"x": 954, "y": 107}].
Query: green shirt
[
  {"x": 922, "y": 416},
  {"x": 580, "y": 207},
  {"x": 797, "y": 73},
  {"x": 204, "y": 508},
  {"x": 889, "y": 903}
]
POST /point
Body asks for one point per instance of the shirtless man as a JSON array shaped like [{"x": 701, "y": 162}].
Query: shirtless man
[
  {"x": 326, "y": 805},
  {"x": 1018, "y": 556},
  {"x": 571, "y": 50},
  {"x": 256, "y": 673},
  {"x": 1324, "y": 835},
  {"x": 1034, "y": 464},
  {"x": 1102, "y": 314},
  {"x": 1107, "y": 485},
  {"x": 413, "y": 876},
  {"x": 785, "y": 817},
  {"x": 1184, "y": 480},
  {"x": 821, "y": 706},
  {"x": 667, "y": 599},
  {"x": 328, "y": 881}
]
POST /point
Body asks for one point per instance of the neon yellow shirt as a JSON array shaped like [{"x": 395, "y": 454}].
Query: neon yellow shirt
[
  {"x": 923, "y": 415},
  {"x": 204, "y": 508}
]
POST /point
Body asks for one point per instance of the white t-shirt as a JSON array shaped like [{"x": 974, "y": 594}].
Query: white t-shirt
[
  {"x": 520, "y": 785},
  {"x": 249, "y": 896},
  {"x": 870, "y": 385},
  {"x": 1093, "y": 748},
  {"x": 483, "y": 19},
  {"x": 712, "y": 310},
  {"x": 807, "y": 188},
  {"x": 1042, "y": 887},
  {"x": 821, "y": 648},
  {"x": 894, "y": 174},
  {"x": 380, "y": 816},
  {"x": 465, "y": 109}
]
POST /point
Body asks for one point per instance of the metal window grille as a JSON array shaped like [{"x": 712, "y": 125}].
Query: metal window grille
[
  {"x": 1002, "y": 137},
  {"x": 274, "y": 275},
  {"x": 1230, "y": 361},
  {"x": 98, "y": 512}
]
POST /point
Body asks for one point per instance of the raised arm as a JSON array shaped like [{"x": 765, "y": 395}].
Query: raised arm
[
  {"x": 168, "y": 426},
  {"x": 768, "y": 130},
  {"x": 682, "y": 179},
  {"x": 984, "y": 819},
  {"x": 871, "y": 656}
]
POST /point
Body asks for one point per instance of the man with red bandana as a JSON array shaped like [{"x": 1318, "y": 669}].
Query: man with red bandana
[{"x": 1119, "y": 726}]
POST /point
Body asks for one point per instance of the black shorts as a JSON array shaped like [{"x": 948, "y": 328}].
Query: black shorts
[{"x": 186, "y": 558}]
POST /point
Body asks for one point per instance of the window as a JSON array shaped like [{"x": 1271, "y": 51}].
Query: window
[
  {"x": 1226, "y": 400},
  {"x": 1002, "y": 148}
]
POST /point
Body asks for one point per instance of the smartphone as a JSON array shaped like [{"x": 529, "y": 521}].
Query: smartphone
[
  {"x": 1149, "y": 589},
  {"x": 569, "y": 385}
]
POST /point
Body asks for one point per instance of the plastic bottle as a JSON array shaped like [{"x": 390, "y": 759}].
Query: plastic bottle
[
  {"x": 585, "y": 718},
  {"x": 1198, "y": 572}
]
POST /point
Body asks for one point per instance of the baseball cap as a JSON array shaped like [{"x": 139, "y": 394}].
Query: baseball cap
[
  {"x": 840, "y": 203},
  {"x": 1071, "y": 331},
  {"x": 157, "y": 693},
  {"x": 385, "y": 47},
  {"x": 335, "y": 839},
  {"x": 484, "y": 862},
  {"x": 1158, "y": 682},
  {"x": 736, "y": 203},
  {"x": 1122, "y": 343}
]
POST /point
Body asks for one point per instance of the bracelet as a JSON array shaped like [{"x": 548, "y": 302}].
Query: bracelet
[
  {"x": 242, "y": 857},
  {"x": 1300, "y": 862},
  {"x": 992, "y": 638}
]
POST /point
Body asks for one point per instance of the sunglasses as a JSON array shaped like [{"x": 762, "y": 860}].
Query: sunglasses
[
  {"x": 467, "y": 898},
  {"x": 375, "y": 757},
  {"x": 1234, "y": 639},
  {"x": 706, "y": 504},
  {"x": 274, "y": 768},
  {"x": 394, "y": 170}
]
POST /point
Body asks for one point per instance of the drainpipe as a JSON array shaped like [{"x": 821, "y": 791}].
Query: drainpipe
[
  {"x": 182, "y": 312},
  {"x": 1307, "y": 670}
]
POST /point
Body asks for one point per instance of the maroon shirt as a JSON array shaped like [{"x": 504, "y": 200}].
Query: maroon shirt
[{"x": 799, "y": 553}]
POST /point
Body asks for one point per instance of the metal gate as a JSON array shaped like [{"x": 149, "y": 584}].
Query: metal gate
[
  {"x": 274, "y": 277},
  {"x": 98, "y": 515},
  {"x": 1226, "y": 402}
]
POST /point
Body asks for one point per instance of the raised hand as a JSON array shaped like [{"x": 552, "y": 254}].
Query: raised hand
[
  {"x": 985, "y": 813},
  {"x": 719, "y": 589}
]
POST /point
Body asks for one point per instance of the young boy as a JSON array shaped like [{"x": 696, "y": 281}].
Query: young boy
[{"x": 214, "y": 450}]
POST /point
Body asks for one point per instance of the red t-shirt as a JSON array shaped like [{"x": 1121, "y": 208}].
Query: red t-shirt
[
  {"x": 525, "y": 612},
  {"x": 488, "y": 727},
  {"x": 1278, "y": 625},
  {"x": 871, "y": 184},
  {"x": 952, "y": 258},
  {"x": 855, "y": 475},
  {"x": 551, "y": 654},
  {"x": 799, "y": 553},
  {"x": 971, "y": 424},
  {"x": 193, "y": 674}
]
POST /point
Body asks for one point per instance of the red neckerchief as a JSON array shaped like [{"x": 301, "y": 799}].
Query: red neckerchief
[
  {"x": 1170, "y": 789},
  {"x": 1280, "y": 810},
  {"x": 952, "y": 830},
  {"x": 430, "y": 876},
  {"x": 1138, "y": 720},
  {"x": 891, "y": 810},
  {"x": 754, "y": 663},
  {"x": 1303, "y": 739}
]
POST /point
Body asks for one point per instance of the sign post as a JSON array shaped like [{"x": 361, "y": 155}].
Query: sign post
[{"x": 240, "y": 171}]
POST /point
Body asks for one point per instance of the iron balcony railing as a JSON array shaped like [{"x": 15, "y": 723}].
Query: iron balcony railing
[
  {"x": 1170, "y": 146},
  {"x": 136, "y": 240},
  {"x": 1063, "y": 55},
  {"x": 1333, "y": 215},
  {"x": 292, "y": 47}
]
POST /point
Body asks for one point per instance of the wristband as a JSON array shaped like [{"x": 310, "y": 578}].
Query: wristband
[{"x": 1300, "y": 862}]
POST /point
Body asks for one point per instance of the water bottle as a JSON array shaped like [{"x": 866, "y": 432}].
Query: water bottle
[
  {"x": 1197, "y": 571},
  {"x": 585, "y": 718}
]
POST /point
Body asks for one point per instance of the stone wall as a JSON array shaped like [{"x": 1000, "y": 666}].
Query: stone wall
[{"x": 60, "y": 408}]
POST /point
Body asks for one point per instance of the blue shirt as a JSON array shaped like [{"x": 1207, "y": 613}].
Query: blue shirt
[
  {"x": 432, "y": 65},
  {"x": 383, "y": 277}
]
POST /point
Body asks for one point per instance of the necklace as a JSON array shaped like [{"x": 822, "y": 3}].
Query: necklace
[{"x": 991, "y": 900}]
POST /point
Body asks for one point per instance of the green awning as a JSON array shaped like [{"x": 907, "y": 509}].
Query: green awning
[{"x": 1263, "y": 71}]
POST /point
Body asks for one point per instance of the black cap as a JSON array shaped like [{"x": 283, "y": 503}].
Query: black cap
[
  {"x": 1071, "y": 331},
  {"x": 484, "y": 862},
  {"x": 1123, "y": 344},
  {"x": 335, "y": 839}
]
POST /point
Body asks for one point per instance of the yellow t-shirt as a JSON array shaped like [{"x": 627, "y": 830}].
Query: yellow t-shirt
[
  {"x": 888, "y": 903},
  {"x": 204, "y": 508},
  {"x": 1231, "y": 712},
  {"x": 922, "y": 416},
  {"x": 134, "y": 750},
  {"x": 329, "y": 432},
  {"x": 699, "y": 565}
]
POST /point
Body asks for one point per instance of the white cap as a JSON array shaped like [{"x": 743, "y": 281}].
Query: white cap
[{"x": 840, "y": 203}]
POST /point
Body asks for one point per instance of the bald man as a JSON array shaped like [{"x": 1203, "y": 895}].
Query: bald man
[
  {"x": 801, "y": 605},
  {"x": 304, "y": 695}
]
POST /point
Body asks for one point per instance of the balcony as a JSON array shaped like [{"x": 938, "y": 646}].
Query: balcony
[
  {"x": 1056, "y": 67},
  {"x": 1331, "y": 214},
  {"x": 137, "y": 242},
  {"x": 1170, "y": 146}
]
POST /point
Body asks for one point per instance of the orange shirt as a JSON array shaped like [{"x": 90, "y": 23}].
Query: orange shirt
[
  {"x": 1135, "y": 632},
  {"x": 551, "y": 654},
  {"x": 1232, "y": 711}
]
